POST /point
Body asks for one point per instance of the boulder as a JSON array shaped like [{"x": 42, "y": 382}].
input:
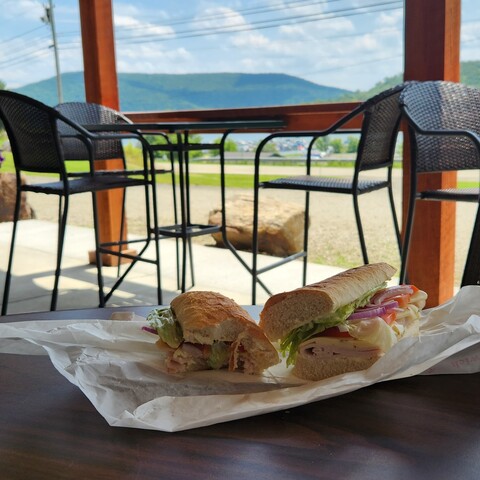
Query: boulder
[
  {"x": 280, "y": 226},
  {"x": 8, "y": 190}
]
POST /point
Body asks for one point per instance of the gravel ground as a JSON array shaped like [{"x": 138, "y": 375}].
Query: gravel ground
[{"x": 333, "y": 234}]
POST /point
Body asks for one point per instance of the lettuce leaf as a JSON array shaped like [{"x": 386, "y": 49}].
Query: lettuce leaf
[
  {"x": 164, "y": 322},
  {"x": 289, "y": 345},
  {"x": 219, "y": 355}
]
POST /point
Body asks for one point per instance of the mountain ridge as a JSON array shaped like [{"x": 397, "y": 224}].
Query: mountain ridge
[
  {"x": 150, "y": 92},
  {"x": 146, "y": 92}
]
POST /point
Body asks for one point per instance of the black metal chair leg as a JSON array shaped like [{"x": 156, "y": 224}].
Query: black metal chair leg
[
  {"x": 305, "y": 237},
  {"x": 187, "y": 196},
  {"x": 122, "y": 228},
  {"x": 62, "y": 224},
  {"x": 8, "y": 276},
  {"x": 255, "y": 242},
  {"x": 156, "y": 238},
  {"x": 471, "y": 273},
  {"x": 98, "y": 256},
  {"x": 175, "y": 216},
  {"x": 395, "y": 219},
  {"x": 184, "y": 264},
  {"x": 407, "y": 239},
  {"x": 361, "y": 236}
]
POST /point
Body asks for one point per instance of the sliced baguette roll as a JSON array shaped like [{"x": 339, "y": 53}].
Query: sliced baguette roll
[
  {"x": 208, "y": 317},
  {"x": 310, "y": 367},
  {"x": 324, "y": 357},
  {"x": 286, "y": 311}
]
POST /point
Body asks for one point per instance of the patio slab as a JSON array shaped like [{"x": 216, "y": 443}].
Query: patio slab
[{"x": 215, "y": 269}]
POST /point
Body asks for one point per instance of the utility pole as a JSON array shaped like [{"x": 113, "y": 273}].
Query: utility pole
[{"x": 49, "y": 18}]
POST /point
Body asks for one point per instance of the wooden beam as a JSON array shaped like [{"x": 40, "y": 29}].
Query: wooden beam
[
  {"x": 101, "y": 86},
  {"x": 100, "y": 71},
  {"x": 296, "y": 117},
  {"x": 432, "y": 52}
]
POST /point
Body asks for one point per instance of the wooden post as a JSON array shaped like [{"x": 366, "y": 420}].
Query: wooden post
[
  {"x": 101, "y": 86},
  {"x": 432, "y": 52}
]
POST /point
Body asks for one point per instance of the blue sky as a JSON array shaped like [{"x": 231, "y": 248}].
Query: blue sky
[{"x": 351, "y": 44}]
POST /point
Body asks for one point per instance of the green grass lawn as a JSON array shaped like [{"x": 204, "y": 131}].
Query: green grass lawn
[{"x": 202, "y": 179}]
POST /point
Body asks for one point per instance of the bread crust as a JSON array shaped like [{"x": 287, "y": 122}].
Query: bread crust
[
  {"x": 288, "y": 310},
  {"x": 308, "y": 367},
  {"x": 207, "y": 317}
]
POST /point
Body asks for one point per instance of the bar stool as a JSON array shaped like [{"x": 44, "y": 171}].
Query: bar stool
[
  {"x": 33, "y": 131},
  {"x": 380, "y": 121},
  {"x": 444, "y": 129}
]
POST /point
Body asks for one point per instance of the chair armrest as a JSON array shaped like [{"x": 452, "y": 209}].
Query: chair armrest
[{"x": 445, "y": 132}]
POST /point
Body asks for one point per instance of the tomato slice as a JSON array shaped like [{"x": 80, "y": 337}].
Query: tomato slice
[
  {"x": 402, "y": 300},
  {"x": 334, "y": 332},
  {"x": 389, "y": 317}
]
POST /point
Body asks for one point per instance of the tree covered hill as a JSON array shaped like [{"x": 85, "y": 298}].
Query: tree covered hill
[
  {"x": 469, "y": 75},
  {"x": 144, "y": 92}
]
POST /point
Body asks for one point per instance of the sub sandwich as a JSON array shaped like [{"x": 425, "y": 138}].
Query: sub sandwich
[
  {"x": 344, "y": 323},
  {"x": 206, "y": 330}
]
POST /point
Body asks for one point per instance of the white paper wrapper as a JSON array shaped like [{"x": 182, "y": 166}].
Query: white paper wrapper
[{"x": 117, "y": 366}]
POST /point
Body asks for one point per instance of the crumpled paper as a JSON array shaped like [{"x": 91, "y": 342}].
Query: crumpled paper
[{"x": 118, "y": 367}]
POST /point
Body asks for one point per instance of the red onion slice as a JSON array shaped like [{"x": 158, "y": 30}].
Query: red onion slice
[
  {"x": 367, "y": 312},
  {"x": 390, "y": 292},
  {"x": 149, "y": 330},
  {"x": 389, "y": 305}
]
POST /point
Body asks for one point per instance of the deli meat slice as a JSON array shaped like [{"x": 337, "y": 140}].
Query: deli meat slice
[{"x": 329, "y": 347}]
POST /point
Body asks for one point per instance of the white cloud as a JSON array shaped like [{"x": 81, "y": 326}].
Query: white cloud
[
  {"x": 128, "y": 25},
  {"x": 150, "y": 59},
  {"x": 27, "y": 9},
  {"x": 251, "y": 40},
  {"x": 390, "y": 19},
  {"x": 336, "y": 51},
  {"x": 219, "y": 17}
]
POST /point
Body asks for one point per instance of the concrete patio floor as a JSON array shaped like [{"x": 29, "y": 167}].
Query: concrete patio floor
[{"x": 215, "y": 269}]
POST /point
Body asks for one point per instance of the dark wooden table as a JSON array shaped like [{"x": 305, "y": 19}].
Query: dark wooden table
[{"x": 417, "y": 428}]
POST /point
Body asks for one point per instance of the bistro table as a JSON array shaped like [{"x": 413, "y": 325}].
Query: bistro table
[
  {"x": 422, "y": 427},
  {"x": 186, "y": 229}
]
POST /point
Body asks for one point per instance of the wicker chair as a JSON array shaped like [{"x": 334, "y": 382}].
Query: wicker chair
[
  {"x": 444, "y": 127},
  {"x": 381, "y": 117},
  {"x": 33, "y": 131}
]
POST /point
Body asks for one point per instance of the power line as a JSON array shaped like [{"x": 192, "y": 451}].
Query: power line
[
  {"x": 223, "y": 15},
  {"x": 30, "y": 58},
  {"x": 233, "y": 29},
  {"x": 23, "y": 53},
  {"x": 243, "y": 12},
  {"x": 22, "y": 34},
  {"x": 260, "y": 25}
]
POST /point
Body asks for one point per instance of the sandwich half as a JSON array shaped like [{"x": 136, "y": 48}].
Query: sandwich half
[
  {"x": 205, "y": 330},
  {"x": 344, "y": 323}
]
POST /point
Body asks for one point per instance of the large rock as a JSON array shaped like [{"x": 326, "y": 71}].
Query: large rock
[
  {"x": 280, "y": 226},
  {"x": 8, "y": 190}
]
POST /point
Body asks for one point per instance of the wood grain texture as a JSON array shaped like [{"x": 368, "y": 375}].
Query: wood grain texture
[
  {"x": 296, "y": 117},
  {"x": 425, "y": 427},
  {"x": 432, "y": 52},
  {"x": 101, "y": 86},
  {"x": 101, "y": 83}
]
